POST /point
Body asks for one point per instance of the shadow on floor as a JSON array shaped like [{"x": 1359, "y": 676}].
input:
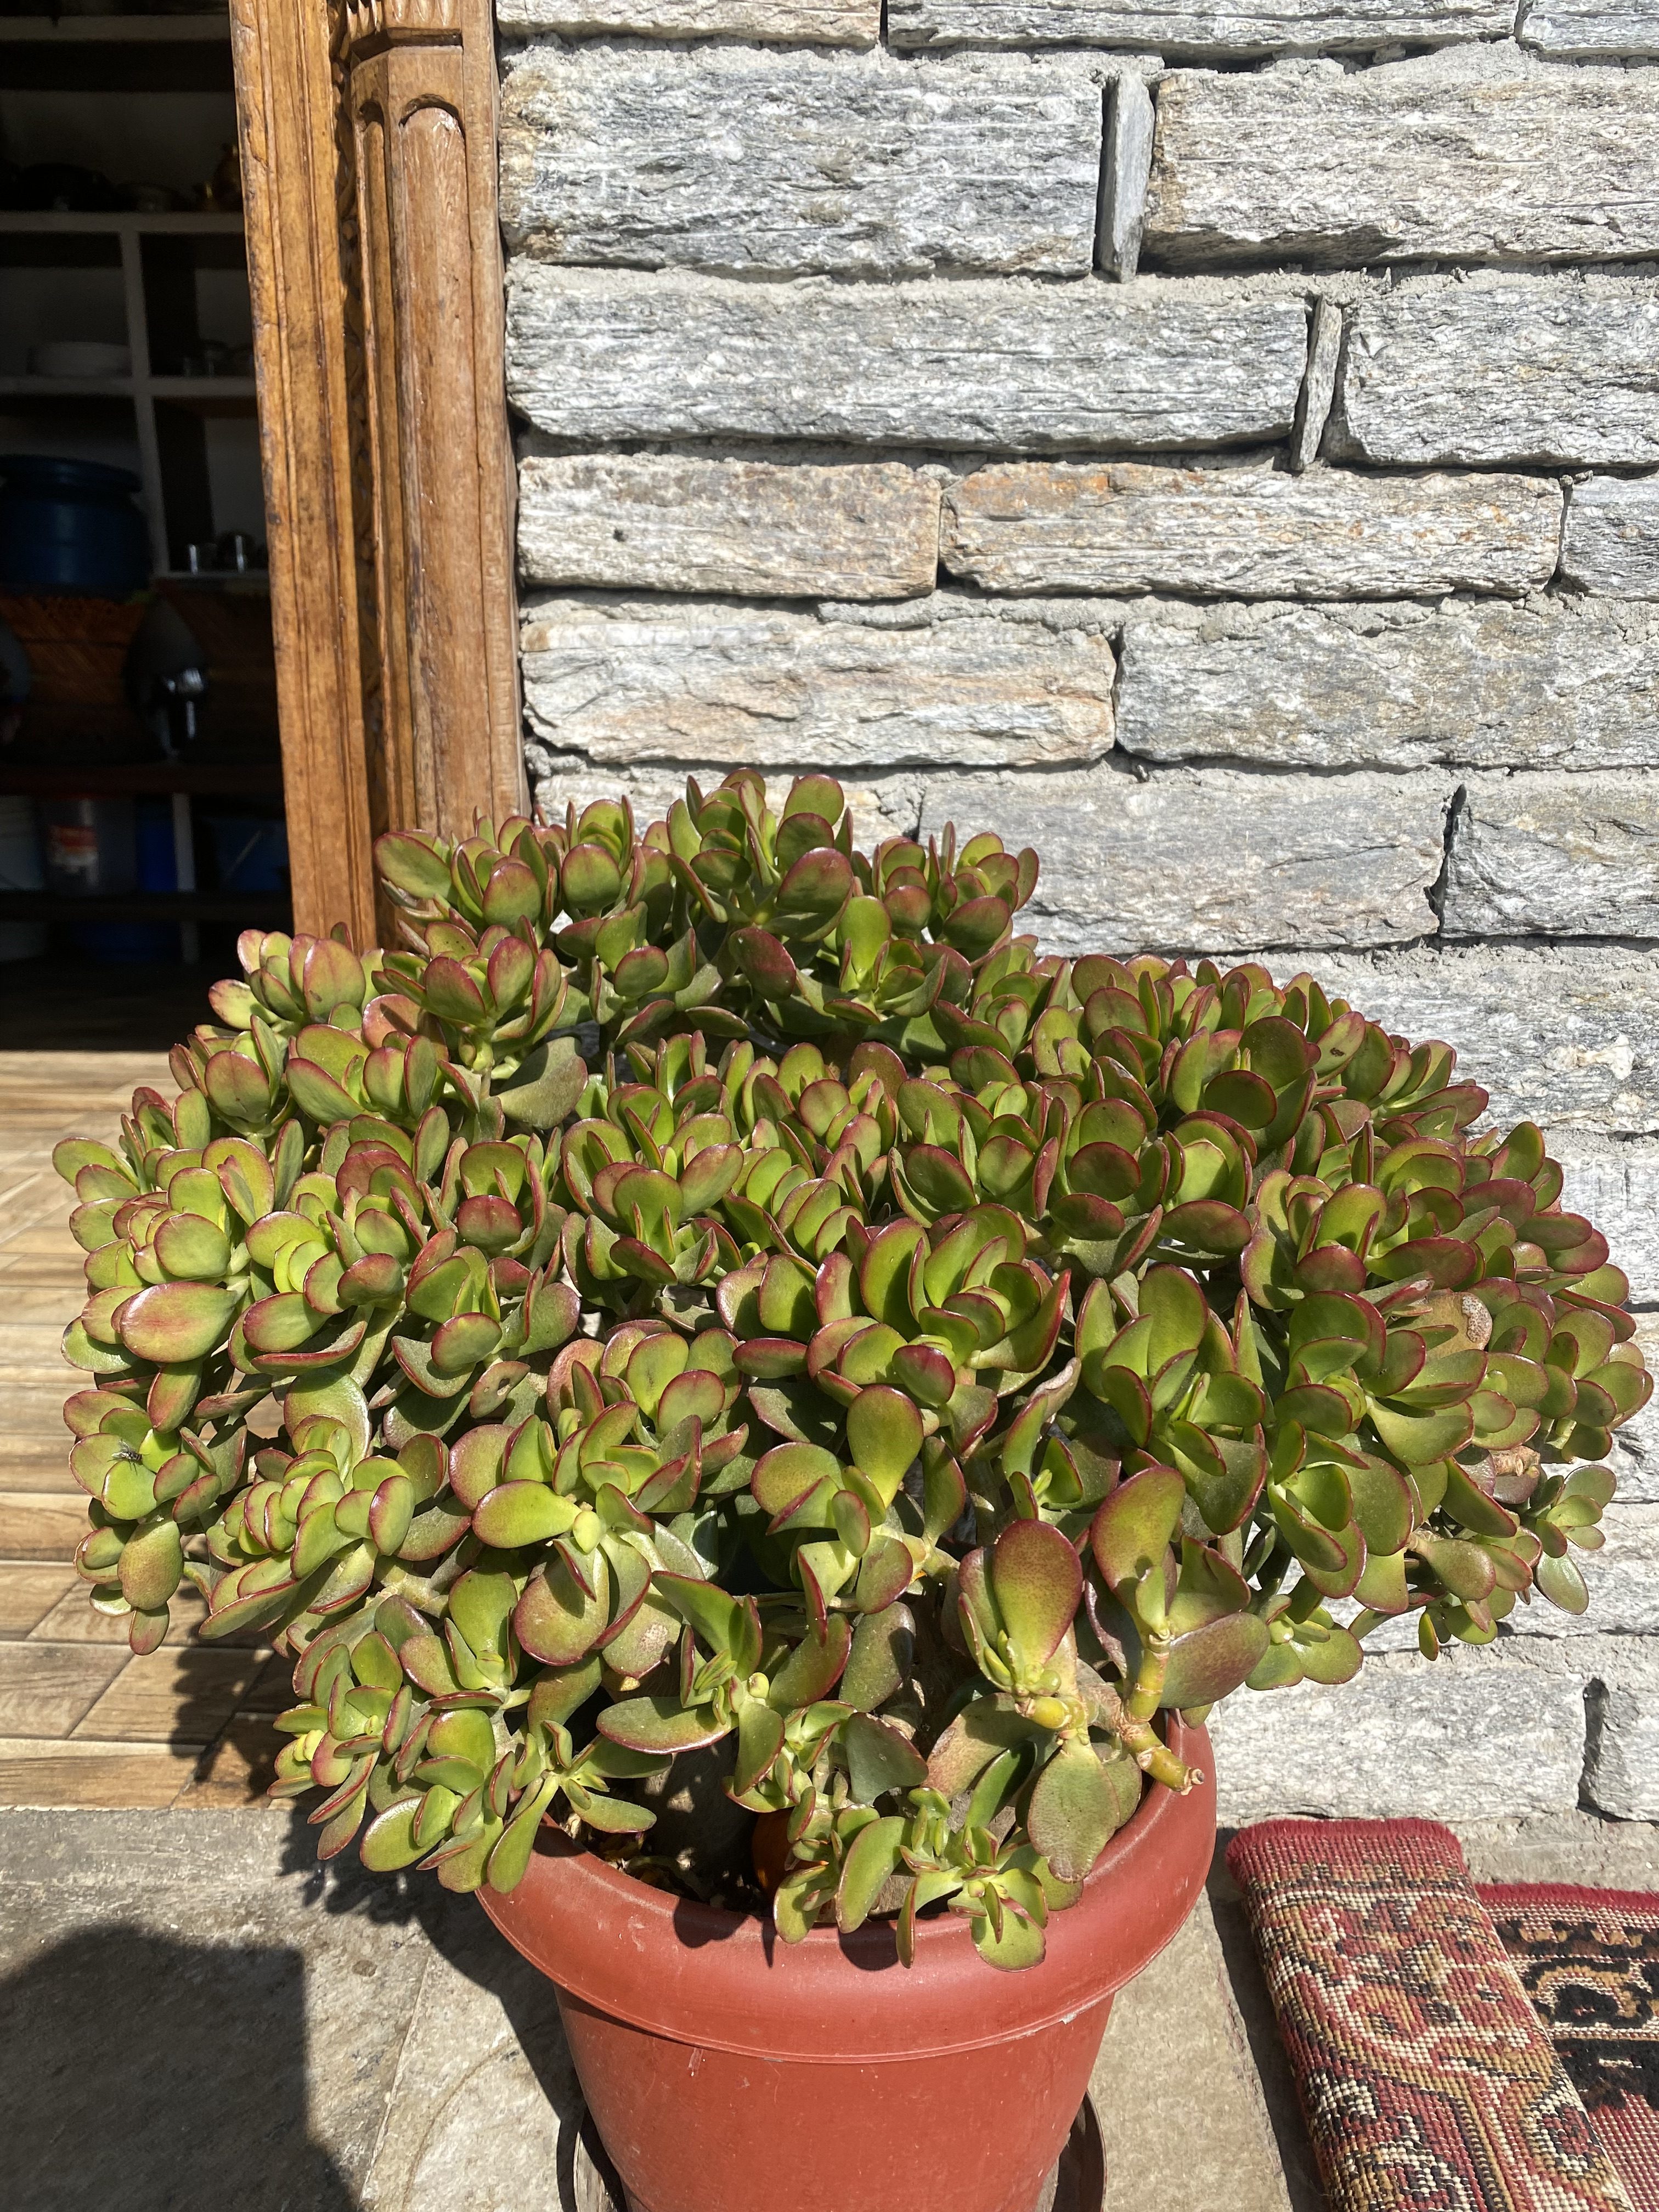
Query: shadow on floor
[
  {"x": 469, "y": 1942},
  {"x": 160, "y": 2076}
]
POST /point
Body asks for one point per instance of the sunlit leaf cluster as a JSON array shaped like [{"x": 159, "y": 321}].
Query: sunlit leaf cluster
[{"x": 712, "y": 1300}]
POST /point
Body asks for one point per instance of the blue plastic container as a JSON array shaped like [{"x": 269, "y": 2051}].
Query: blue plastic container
[
  {"x": 250, "y": 854},
  {"x": 70, "y": 526}
]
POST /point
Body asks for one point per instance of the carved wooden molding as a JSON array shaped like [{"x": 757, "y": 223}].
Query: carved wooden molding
[
  {"x": 369, "y": 146},
  {"x": 285, "y": 108},
  {"x": 369, "y": 21},
  {"x": 423, "y": 113}
]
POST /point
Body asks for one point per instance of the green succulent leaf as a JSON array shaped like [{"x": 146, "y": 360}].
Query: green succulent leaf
[{"x": 1074, "y": 1811}]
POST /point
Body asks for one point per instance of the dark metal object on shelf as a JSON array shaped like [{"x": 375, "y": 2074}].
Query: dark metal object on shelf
[
  {"x": 239, "y": 553},
  {"x": 230, "y": 627},
  {"x": 232, "y": 553},
  {"x": 65, "y": 188},
  {"x": 185, "y": 691}
]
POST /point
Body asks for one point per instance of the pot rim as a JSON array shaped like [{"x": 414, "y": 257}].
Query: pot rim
[{"x": 703, "y": 1974}]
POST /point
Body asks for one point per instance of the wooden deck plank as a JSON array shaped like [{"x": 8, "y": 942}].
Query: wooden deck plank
[
  {"x": 45, "y": 1688},
  {"x": 82, "y": 1722},
  {"x": 38, "y": 1463},
  {"x": 60, "y": 1776},
  {"x": 73, "y": 1620},
  {"x": 181, "y": 1694},
  {"x": 238, "y": 1768},
  {"x": 28, "y": 1594},
  {"x": 40, "y": 1525}
]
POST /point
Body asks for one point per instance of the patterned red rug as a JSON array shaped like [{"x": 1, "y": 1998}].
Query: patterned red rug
[
  {"x": 1427, "y": 2080},
  {"x": 1589, "y": 1959}
]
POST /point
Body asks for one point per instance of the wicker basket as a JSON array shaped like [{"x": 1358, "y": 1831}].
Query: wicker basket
[{"x": 77, "y": 647}]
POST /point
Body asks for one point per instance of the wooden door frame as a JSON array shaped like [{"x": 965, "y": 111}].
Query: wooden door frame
[{"x": 367, "y": 131}]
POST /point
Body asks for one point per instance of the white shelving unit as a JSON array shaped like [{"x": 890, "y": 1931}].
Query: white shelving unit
[
  {"x": 156, "y": 260},
  {"x": 144, "y": 389}
]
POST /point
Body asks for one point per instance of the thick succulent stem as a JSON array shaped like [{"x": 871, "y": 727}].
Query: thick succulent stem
[
  {"x": 1153, "y": 1756},
  {"x": 1143, "y": 1699}
]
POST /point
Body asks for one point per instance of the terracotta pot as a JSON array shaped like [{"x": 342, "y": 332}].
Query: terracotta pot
[{"x": 729, "y": 2072}]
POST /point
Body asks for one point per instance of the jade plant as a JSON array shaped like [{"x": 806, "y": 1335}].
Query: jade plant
[{"x": 715, "y": 1317}]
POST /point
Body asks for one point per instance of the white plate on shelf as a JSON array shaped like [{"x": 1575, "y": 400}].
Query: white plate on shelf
[{"x": 80, "y": 357}]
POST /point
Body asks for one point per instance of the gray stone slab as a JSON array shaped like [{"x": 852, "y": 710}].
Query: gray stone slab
[
  {"x": 1621, "y": 1769},
  {"x": 486, "y": 2107},
  {"x": 782, "y": 23},
  {"x": 671, "y": 523},
  {"x": 1577, "y": 1848},
  {"x": 610, "y": 356},
  {"x": 1611, "y": 1841},
  {"x": 1542, "y": 854},
  {"x": 1610, "y": 539},
  {"x": 1198, "y": 31},
  {"x": 1563, "y": 684},
  {"x": 1176, "y": 2067},
  {"x": 1129, "y": 526},
  {"x": 1478, "y": 154},
  {"x": 1635, "y": 1456},
  {"x": 1313, "y": 408},
  {"x": 1477, "y": 1734},
  {"x": 1615, "y": 1180},
  {"x": 1213, "y": 861},
  {"x": 1123, "y": 186},
  {"x": 191, "y": 2015},
  {"x": 1496, "y": 369},
  {"x": 622, "y": 682},
  {"x": 751, "y": 163},
  {"x": 1565, "y": 1035},
  {"x": 1590, "y": 30},
  {"x": 1062, "y": 617}
]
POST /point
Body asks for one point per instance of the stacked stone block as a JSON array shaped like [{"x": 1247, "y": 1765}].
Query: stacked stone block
[{"x": 1219, "y": 448}]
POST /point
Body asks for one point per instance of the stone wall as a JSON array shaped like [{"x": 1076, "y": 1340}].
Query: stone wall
[{"x": 1208, "y": 444}]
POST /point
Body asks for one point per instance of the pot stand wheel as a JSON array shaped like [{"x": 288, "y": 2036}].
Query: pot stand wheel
[{"x": 1078, "y": 2183}]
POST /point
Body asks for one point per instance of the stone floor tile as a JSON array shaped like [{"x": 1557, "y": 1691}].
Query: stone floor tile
[
  {"x": 1247, "y": 1989},
  {"x": 44, "y": 1689},
  {"x": 210, "y": 2023},
  {"x": 485, "y": 2062},
  {"x": 1175, "y": 2069},
  {"x": 181, "y": 1694},
  {"x": 28, "y": 1594},
  {"x": 1587, "y": 1850}
]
